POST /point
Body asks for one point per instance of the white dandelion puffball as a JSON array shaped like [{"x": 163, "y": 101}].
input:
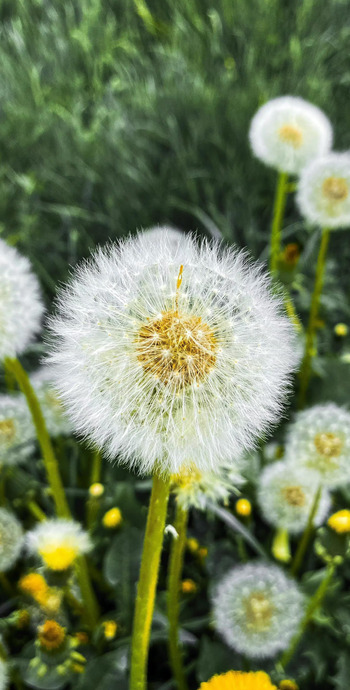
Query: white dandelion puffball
[
  {"x": 319, "y": 440},
  {"x": 11, "y": 539},
  {"x": 288, "y": 132},
  {"x": 258, "y": 609},
  {"x": 4, "y": 676},
  {"x": 194, "y": 489},
  {"x": 21, "y": 308},
  {"x": 324, "y": 191},
  {"x": 56, "y": 419},
  {"x": 58, "y": 542},
  {"x": 172, "y": 359},
  {"x": 17, "y": 431},
  {"x": 286, "y": 495}
]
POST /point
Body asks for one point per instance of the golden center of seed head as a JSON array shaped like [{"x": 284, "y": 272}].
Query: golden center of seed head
[
  {"x": 335, "y": 188},
  {"x": 186, "y": 477},
  {"x": 7, "y": 430},
  {"x": 294, "y": 495},
  {"x": 258, "y": 611},
  {"x": 292, "y": 135},
  {"x": 328, "y": 444},
  {"x": 177, "y": 348}
]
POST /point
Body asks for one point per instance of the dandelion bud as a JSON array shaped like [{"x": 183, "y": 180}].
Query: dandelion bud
[
  {"x": 341, "y": 330},
  {"x": 112, "y": 518},
  {"x": 340, "y": 521},
  {"x": 243, "y": 507},
  {"x": 109, "y": 629},
  {"x": 188, "y": 587},
  {"x": 96, "y": 490}
]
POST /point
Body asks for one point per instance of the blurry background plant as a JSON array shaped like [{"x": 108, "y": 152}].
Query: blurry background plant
[{"x": 121, "y": 115}]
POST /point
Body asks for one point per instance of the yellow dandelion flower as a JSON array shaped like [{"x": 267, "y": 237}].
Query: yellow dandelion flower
[
  {"x": 33, "y": 584},
  {"x": 340, "y": 521},
  {"x": 51, "y": 635},
  {"x": 237, "y": 680},
  {"x": 188, "y": 587},
  {"x": 112, "y": 518},
  {"x": 96, "y": 490},
  {"x": 109, "y": 629},
  {"x": 243, "y": 507},
  {"x": 58, "y": 542}
]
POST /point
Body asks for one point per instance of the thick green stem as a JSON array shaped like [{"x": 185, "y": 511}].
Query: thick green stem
[
  {"x": 49, "y": 458},
  {"x": 306, "y": 367},
  {"x": 281, "y": 546},
  {"x": 314, "y": 603},
  {"x": 146, "y": 589},
  {"x": 304, "y": 541},
  {"x": 174, "y": 580},
  {"x": 278, "y": 214},
  {"x": 54, "y": 479}
]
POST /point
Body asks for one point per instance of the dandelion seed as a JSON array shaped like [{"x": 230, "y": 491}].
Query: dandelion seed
[
  {"x": 11, "y": 539},
  {"x": 287, "y": 133},
  {"x": 238, "y": 680},
  {"x": 21, "y": 308},
  {"x": 152, "y": 376},
  {"x": 58, "y": 542},
  {"x": 257, "y": 609},
  {"x": 286, "y": 495},
  {"x": 324, "y": 191},
  {"x": 319, "y": 440}
]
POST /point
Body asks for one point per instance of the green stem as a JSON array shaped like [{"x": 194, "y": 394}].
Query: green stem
[
  {"x": 291, "y": 313},
  {"x": 36, "y": 511},
  {"x": 276, "y": 228},
  {"x": 306, "y": 367},
  {"x": 49, "y": 458},
  {"x": 174, "y": 579},
  {"x": 280, "y": 546},
  {"x": 315, "y": 602},
  {"x": 304, "y": 541},
  {"x": 93, "y": 502},
  {"x": 54, "y": 480},
  {"x": 146, "y": 589}
]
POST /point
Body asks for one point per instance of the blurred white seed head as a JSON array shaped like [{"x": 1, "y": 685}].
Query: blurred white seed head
[
  {"x": 174, "y": 358},
  {"x": 286, "y": 495},
  {"x": 257, "y": 609},
  {"x": 288, "y": 132},
  {"x": 16, "y": 430},
  {"x": 21, "y": 308},
  {"x": 160, "y": 235},
  {"x": 319, "y": 440},
  {"x": 324, "y": 191},
  {"x": 11, "y": 540},
  {"x": 58, "y": 542},
  {"x": 4, "y": 676},
  {"x": 56, "y": 419},
  {"x": 194, "y": 489}
]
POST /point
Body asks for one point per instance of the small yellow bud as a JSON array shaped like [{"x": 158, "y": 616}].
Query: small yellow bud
[
  {"x": 243, "y": 507},
  {"x": 109, "y": 629},
  {"x": 77, "y": 668},
  {"x": 51, "y": 635},
  {"x": 192, "y": 544},
  {"x": 82, "y": 637},
  {"x": 113, "y": 518},
  {"x": 96, "y": 490},
  {"x": 341, "y": 329},
  {"x": 340, "y": 521},
  {"x": 203, "y": 552},
  {"x": 33, "y": 584},
  {"x": 288, "y": 685},
  {"x": 188, "y": 587}
]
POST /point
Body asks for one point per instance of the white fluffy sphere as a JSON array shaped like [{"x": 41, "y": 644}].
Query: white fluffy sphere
[
  {"x": 168, "y": 372},
  {"x": 286, "y": 495},
  {"x": 11, "y": 539},
  {"x": 288, "y": 132},
  {"x": 319, "y": 440},
  {"x": 21, "y": 308},
  {"x": 17, "y": 431},
  {"x": 324, "y": 191},
  {"x": 258, "y": 609}
]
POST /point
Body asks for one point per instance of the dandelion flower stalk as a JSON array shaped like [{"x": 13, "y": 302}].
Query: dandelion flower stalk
[
  {"x": 146, "y": 588},
  {"x": 315, "y": 603},
  {"x": 174, "y": 579},
  {"x": 305, "y": 539},
  {"x": 305, "y": 372},
  {"x": 278, "y": 214}
]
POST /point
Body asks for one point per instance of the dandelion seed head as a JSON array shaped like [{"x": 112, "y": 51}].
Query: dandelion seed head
[
  {"x": 288, "y": 132},
  {"x": 323, "y": 193},
  {"x": 319, "y": 440},
  {"x": 21, "y": 307},
  {"x": 58, "y": 542},
  {"x": 11, "y": 539},
  {"x": 257, "y": 609},
  {"x": 164, "y": 378},
  {"x": 57, "y": 421},
  {"x": 286, "y": 494},
  {"x": 16, "y": 430},
  {"x": 4, "y": 675}
]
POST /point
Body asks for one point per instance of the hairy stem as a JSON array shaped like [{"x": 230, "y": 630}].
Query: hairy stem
[
  {"x": 146, "y": 589},
  {"x": 277, "y": 220},
  {"x": 174, "y": 580}
]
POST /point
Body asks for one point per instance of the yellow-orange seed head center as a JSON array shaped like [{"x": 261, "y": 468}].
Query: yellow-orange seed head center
[
  {"x": 294, "y": 495},
  {"x": 292, "y": 135},
  {"x": 178, "y": 349},
  {"x": 335, "y": 188},
  {"x": 259, "y": 611},
  {"x": 7, "y": 430},
  {"x": 328, "y": 444}
]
